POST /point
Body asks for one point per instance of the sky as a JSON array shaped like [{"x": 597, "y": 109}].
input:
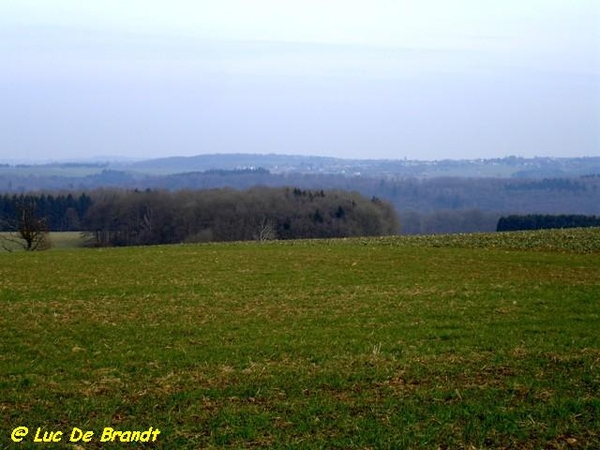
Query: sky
[{"x": 415, "y": 79}]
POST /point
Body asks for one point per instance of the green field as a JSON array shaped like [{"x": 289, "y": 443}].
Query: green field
[
  {"x": 10, "y": 242},
  {"x": 466, "y": 342}
]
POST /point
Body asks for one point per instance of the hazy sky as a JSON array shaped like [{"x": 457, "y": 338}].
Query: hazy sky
[{"x": 421, "y": 79}]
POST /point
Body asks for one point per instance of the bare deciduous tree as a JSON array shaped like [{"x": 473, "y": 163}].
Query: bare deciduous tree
[
  {"x": 26, "y": 229},
  {"x": 266, "y": 231}
]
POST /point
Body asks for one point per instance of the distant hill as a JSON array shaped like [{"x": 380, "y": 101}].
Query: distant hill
[
  {"x": 509, "y": 167},
  {"x": 430, "y": 196},
  {"x": 235, "y": 161},
  {"x": 502, "y": 167}
]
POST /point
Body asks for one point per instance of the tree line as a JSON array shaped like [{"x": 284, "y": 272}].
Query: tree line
[
  {"x": 61, "y": 212},
  {"x": 426, "y": 205},
  {"x": 119, "y": 218},
  {"x": 112, "y": 217},
  {"x": 543, "y": 221}
]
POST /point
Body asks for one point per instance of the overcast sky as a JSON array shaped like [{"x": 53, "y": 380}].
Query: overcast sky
[{"x": 417, "y": 79}]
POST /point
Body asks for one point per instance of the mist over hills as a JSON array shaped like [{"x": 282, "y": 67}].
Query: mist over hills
[
  {"x": 429, "y": 196},
  {"x": 501, "y": 167},
  {"x": 511, "y": 166}
]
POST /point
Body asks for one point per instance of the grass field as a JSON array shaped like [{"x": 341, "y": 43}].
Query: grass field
[
  {"x": 481, "y": 341},
  {"x": 10, "y": 242}
]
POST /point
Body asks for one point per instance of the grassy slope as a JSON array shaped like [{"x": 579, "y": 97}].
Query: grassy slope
[{"x": 383, "y": 343}]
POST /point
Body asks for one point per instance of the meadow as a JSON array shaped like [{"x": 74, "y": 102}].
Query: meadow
[
  {"x": 459, "y": 342},
  {"x": 11, "y": 242}
]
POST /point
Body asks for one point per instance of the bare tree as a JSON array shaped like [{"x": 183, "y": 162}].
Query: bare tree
[
  {"x": 266, "y": 230},
  {"x": 26, "y": 229}
]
